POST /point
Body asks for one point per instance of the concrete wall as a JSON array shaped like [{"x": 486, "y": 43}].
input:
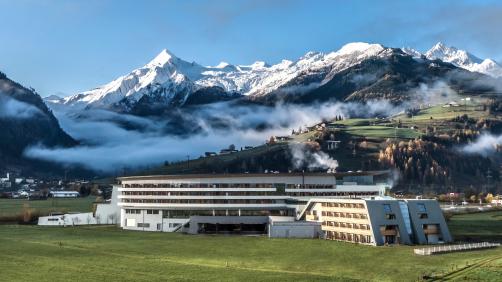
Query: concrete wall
[
  {"x": 434, "y": 216},
  {"x": 142, "y": 221},
  {"x": 377, "y": 216},
  {"x": 294, "y": 229},
  {"x": 67, "y": 219},
  {"x": 154, "y": 222}
]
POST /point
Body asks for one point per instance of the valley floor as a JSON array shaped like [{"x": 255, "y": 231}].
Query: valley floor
[{"x": 32, "y": 253}]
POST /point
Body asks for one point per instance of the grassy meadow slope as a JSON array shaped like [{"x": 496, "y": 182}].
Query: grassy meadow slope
[
  {"x": 31, "y": 253},
  {"x": 423, "y": 145}
]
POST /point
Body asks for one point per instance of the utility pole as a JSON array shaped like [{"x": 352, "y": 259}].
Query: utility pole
[{"x": 188, "y": 161}]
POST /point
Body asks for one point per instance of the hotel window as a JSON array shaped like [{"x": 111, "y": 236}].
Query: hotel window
[
  {"x": 386, "y": 208},
  {"x": 390, "y": 216},
  {"x": 421, "y": 208},
  {"x": 147, "y": 225},
  {"x": 423, "y": 216},
  {"x": 132, "y": 211}
]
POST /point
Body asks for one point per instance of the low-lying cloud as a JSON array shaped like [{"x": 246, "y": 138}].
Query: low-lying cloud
[
  {"x": 112, "y": 141},
  {"x": 485, "y": 145},
  {"x": 435, "y": 93},
  {"x": 12, "y": 108}
]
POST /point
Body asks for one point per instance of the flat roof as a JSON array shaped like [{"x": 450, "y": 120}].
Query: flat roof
[{"x": 229, "y": 175}]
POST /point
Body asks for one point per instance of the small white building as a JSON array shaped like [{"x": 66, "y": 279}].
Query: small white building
[
  {"x": 68, "y": 219},
  {"x": 64, "y": 194},
  {"x": 5, "y": 179}
]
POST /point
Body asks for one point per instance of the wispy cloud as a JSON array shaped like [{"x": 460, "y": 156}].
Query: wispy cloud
[
  {"x": 485, "y": 145},
  {"x": 112, "y": 141},
  {"x": 12, "y": 108}
]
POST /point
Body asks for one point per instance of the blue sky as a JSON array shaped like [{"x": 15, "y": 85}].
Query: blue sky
[{"x": 69, "y": 46}]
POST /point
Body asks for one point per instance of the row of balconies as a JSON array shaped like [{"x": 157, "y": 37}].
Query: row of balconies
[
  {"x": 347, "y": 230},
  {"x": 343, "y": 205},
  {"x": 310, "y": 186},
  {"x": 345, "y": 214},
  {"x": 200, "y": 185},
  {"x": 201, "y": 201},
  {"x": 208, "y": 197},
  {"x": 340, "y": 219},
  {"x": 349, "y": 237},
  {"x": 346, "y": 225},
  {"x": 198, "y": 193}
]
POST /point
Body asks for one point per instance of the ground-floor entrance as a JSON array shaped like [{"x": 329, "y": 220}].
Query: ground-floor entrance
[{"x": 211, "y": 228}]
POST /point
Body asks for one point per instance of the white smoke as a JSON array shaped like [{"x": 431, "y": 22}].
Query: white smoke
[{"x": 304, "y": 157}]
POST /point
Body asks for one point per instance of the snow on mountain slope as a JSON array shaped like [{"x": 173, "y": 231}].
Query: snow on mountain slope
[
  {"x": 412, "y": 52},
  {"x": 463, "y": 59},
  {"x": 169, "y": 80},
  {"x": 165, "y": 70},
  {"x": 173, "y": 76}
]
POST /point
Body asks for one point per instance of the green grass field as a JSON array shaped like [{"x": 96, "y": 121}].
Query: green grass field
[
  {"x": 31, "y": 253},
  {"x": 107, "y": 253},
  {"x": 486, "y": 226},
  {"x": 9, "y": 207},
  {"x": 383, "y": 128},
  {"x": 382, "y": 132}
]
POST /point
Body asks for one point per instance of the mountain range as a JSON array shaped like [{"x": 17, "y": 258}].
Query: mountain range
[
  {"x": 354, "y": 72},
  {"x": 25, "y": 120},
  {"x": 174, "y": 92}
]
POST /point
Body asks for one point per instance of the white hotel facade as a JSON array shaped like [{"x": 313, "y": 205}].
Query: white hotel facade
[{"x": 234, "y": 203}]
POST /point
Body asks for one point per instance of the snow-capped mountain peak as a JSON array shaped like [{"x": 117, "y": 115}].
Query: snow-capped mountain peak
[
  {"x": 162, "y": 58},
  {"x": 351, "y": 48},
  {"x": 169, "y": 76},
  {"x": 451, "y": 55},
  {"x": 463, "y": 59},
  {"x": 172, "y": 80}
]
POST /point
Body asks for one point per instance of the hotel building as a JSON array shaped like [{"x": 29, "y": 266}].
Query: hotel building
[
  {"x": 379, "y": 220},
  {"x": 230, "y": 203}
]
